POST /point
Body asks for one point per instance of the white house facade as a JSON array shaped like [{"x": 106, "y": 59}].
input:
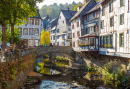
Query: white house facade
[
  {"x": 31, "y": 31},
  {"x": 115, "y": 28},
  {"x": 63, "y": 29}
]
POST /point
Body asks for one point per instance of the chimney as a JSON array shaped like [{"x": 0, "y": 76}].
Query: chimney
[{"x": 78, "y": 8}]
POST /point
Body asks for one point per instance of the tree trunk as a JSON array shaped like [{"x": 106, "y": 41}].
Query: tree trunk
[
  {"x": 3, "y": 37},
  {"x": 12, "y": 34}
]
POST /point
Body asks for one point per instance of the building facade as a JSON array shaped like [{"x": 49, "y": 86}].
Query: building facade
[
  {"x": 30, "y": 32},
  {"x": 89, "y": 40},
  {"x": 78, "y": 24},
  {"x": 63, "y": 29},
  {"x": 114, "y": 28}
]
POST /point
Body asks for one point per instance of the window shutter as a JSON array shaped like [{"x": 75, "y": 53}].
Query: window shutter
[
  {"x": 120, "y": 19},
  {"x": 86, "y": 31},
  {"x": 123, "y": 18}
]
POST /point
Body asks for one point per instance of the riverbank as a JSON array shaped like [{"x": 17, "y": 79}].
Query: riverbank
[
  {"x": 87, "y": 76},
  {"x": 14, "y": 73}
]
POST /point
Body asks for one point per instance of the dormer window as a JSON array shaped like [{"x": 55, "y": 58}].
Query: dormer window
[
  {"x": 87, "y": 17},
  {"x": 94, "y": 15}
]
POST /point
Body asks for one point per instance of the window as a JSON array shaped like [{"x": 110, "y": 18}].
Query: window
[
  {"x": 111, "y": 40},
  {"x": 25, "y": 31},
  {"x": 73, "y": 44},
  {"x": 94, "y": 15},
  {"x": 121, "y": 39},
  {"x": 78, "y": 24},
  {"x": 122, "y": 3},
  {"x": 57, "y": 37},
  {"x": 92, "y": 41},
  {"x": 36, "y": 42},
  {"x": 36, "y": 31},
  {"x": 107, "y": 40},
  {"x": 112, "y": 21},
  {"x": 91, "y": 29},
  {"x": 104, "y": 42},
  {"x": 73, "y": 35},
  {"x": 129, "y": 5},
  {"x": 87, "y": 17},
  {"x": 103, "y": 11},
  {"x": 53, "y": 37},
  {"x": 95, "y": 28},
  {"x": 30, "y": 43},
  {"x": 57, "y": 30},
  {"x": 31, "y": 31},
  {"x": 111, "y": 7},
  {"x": 63, "y": 36},
  {"x": 32, "y": 21},
  {"x": 77, "y": 33},
  {"x": 101, "y": 41},
  {"x": 86, "y": 30},
  {"x": 73, "y": 26},
  {"x": 121, "y": 19},
  {"x": 102, "y": 24},
  {"x": 36, "y": 22}
]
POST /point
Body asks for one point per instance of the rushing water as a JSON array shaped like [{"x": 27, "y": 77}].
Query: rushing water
[{"x": 69, "y": 79}]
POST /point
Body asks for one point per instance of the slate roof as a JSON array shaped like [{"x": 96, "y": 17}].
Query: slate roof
[
  {"x": 68, "y": 15},
  {"x": 54, "y": 23},
  {"x": 38, "y": 16},
  {"x": 80, "y": 10},
  {"x": 96, "y": 7}
]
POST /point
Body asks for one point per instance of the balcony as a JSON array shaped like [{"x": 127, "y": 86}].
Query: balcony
[{"x": 90, "y": 47}]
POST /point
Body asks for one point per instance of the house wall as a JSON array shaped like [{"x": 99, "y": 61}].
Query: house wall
[
  {"x": 117, "y": 50},
  {"x": 75, "y": 30},
  {"x": 53, "y": 37},
  {"x": 31, "y": 37},
  {"x": 64, "y": 29}
]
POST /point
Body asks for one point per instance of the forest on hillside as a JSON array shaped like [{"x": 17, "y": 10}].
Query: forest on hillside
[{"x": 54, "y": 9}]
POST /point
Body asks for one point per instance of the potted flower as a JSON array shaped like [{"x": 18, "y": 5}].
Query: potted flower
[
  {"x": 105, "y": 45},
  {"x": 109, "y": 46}
]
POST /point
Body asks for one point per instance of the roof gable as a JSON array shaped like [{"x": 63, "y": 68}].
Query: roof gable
[{"x": 84, "y": 8}]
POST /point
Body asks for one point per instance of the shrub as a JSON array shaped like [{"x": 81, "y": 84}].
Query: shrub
[
  {"x": 12, "y": 76},
  {"x": 46, "y": 55},
  {"x": 60, "y": 58},
  {"x": 13, "y": 71}
]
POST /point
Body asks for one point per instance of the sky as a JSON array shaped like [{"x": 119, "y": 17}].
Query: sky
[{"x": 48, "y": 2}]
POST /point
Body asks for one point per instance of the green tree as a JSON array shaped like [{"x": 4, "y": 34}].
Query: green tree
[{"x": 12, "y": 11}]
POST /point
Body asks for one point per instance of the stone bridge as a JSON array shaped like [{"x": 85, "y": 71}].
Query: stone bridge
[{"x": 55, "y": 50}]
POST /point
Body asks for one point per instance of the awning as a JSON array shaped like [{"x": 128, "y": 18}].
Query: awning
[
  {"x": 89, "y": 35},
  {"x": 90, "y": 25}
]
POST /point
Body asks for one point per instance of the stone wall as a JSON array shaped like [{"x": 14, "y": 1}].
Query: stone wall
[
  {"x": 98, "y": 61},
  {"x": 54, "y": 49}
]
